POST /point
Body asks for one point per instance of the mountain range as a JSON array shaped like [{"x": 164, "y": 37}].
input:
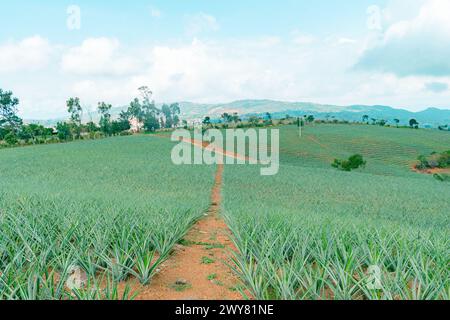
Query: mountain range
[{"x": 432, "y": 117}]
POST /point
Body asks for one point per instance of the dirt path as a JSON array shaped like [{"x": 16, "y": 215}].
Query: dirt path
[
  {"x": 197, "y": 270},
  {"x": 314, "y": 139},
  {"x": 218, "y": 150}
]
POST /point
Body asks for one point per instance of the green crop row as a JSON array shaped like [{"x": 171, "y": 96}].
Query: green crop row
[
  {"x": 112, "y": 208},
  {"x": 312, "y": 232}
]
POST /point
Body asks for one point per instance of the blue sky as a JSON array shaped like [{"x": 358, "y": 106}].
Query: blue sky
[
  {"x": 390, "y": 52},
  {"x": 131, "y": 21}
]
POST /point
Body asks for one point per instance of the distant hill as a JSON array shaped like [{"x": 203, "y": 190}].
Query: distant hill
[{"x": 279, "y": 109}]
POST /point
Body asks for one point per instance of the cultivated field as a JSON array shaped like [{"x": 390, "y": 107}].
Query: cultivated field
[
  {"x": 313, "y": 232},
  {"x": 117, "y": 207}
]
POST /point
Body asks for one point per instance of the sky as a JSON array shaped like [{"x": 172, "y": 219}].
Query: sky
[{"x": 343, "y": 52}]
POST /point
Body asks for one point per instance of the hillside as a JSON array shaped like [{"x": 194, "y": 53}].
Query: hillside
[
  {"x": 279, "y": 109},
  {"x": 432, "y": 116}
]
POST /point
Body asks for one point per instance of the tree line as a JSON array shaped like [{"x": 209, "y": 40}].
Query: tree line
[
  {"x": 413, "y": 123},
  {"x": 142, "y": 114}
]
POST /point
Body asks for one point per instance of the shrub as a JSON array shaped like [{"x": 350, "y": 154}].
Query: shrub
[
  {"x": 63, "y": 131},
  {"x": 99, "y": 135},
  {"x": 444, "y": 160},
  {"x": 354, "y": 162},
  {"x": 11, "y": 139},
  {"x": 423, "y": 163},
  {"x": 435, "y": 160},
  {"x": 4, "y": 132},
  {"x": 442, "y": 177}
]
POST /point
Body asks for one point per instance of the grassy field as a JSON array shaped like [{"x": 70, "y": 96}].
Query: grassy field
[
  {"x": 313, "y": 232},
  {"x": 114, "y": 207}
]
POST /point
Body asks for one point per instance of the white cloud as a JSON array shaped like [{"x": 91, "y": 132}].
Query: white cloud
[
  {"x": 345, "y": 41},
  {"x": 155, "y": 12},
  {"x": 99, "y": 56},
  {"x": 313, "y": 69},
  {"x": 418, "y": 46},
  {"x": 115, "y": 91},
  {"x": 201, "y": 23},
  {"x": 211, "y": 72},
  {"x": 267, "y": 42},
  {"x": 302, "y": 39},
  {"x": 30, "y": 54}
]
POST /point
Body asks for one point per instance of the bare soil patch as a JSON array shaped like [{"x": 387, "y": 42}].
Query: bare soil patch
[
  {"x": 431, "y": 171},
  {"x": 197, "y": 269}
]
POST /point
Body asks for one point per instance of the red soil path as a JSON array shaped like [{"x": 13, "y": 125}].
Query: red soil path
[{"x": 198, "y": 269}]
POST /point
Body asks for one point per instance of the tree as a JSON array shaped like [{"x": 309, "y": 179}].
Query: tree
[
  {"x": 25, "y": 134},
  {"x": 397, "y": 121},
  {"x": 414, "y": 124},
  {"x": 146, "y": 112},
  {"x": 147, "y": 95},
  {"x": 310, "y": 118},
  {"x": 171, "y": 113},
  {"x": 32, "y": 132},
  {"x": 382, "y": 122},
  {"x": 124, "y": 116},
  {"x": 135, "y": 110},
  {"x": 91, "y": 127},
  {"x": 63, "y": 131},
  {"x": 119, "y": 126},
  {"x": 365, "y": 118},
  {"x": 175, "y": 109},
  {"x": 124, "y": 125},
  {"x": 105, "y": 117},
  {"x": 148, "y": 104},
  {"x": 235, "y": 118},
  {"x": 150, "y": 113},
  {"x": 75, "y": 110},
  {"x": 253, "y": 120},
  {"x": 207, "y": 121},
  {"x": 151, "y": 124},
  {"x": 227, "y": 118},
  {"x": 4, "y": 132},
  {"x": 8, "y": 111}
]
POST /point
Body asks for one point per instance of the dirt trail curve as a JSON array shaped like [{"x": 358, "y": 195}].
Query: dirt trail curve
[{"x": 197, "y": 270}]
